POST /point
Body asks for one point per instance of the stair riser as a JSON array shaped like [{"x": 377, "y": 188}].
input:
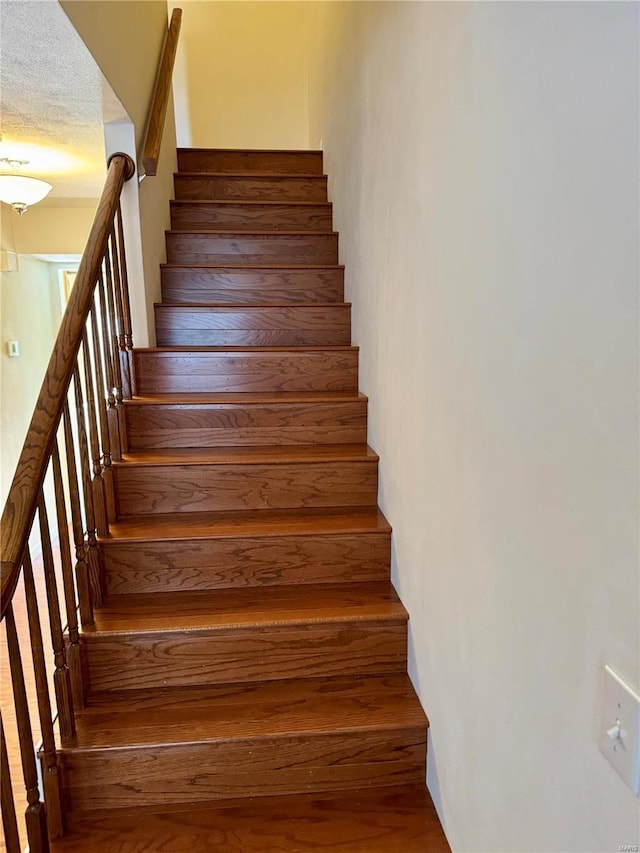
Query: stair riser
[
  {"x": 259, "y": 326},
  {"x": 244, "y": 338},
  {"x": 145, "y": 489},
  {"x": 166, "y": 372},
  {"x": 253, "y": 337},
  {"x": 191, "y": 248},
  {"x": 286, "y": 162},
  {"x": 255, "y": 188},
  {"x": 249, "y": 768},
  {"x": 246, "y": 287},
  {"x": 195, "y": 564},
  {"x": 165, "y": 659},
  {"x": 250, "y": 217},
  {"x": 210, "y": 425}
]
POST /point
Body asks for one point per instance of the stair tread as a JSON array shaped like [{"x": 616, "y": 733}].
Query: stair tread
[
  {"x": 229, "y": 232},
  {"x": 243, "y": 398},
  {"x": 253, "y": 174},
  {"x": 237, "y": 349},
  {"x": 274, "y": 522},
  {"x": 400, "y": 819},
  {"x": 248, "y": 710},
  {"x": 238, "y": 267},
  {"x": 249, "y": 455},
  {"x": 249, "y": 202},
  {"x": 141, "y": 613},
  {"x": 188, "y": 149},
  {"x": 306, "y": 306}
]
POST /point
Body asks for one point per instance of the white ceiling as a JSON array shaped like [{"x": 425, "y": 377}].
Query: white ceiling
[{"x": 53, "y": 99}]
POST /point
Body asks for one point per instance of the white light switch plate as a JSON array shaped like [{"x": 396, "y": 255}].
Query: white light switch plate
[
  {"x": 619, "y": 731},
  {"x": 13, "y": 348}
]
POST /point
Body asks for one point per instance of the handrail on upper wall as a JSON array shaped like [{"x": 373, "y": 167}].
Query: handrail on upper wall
[{"x": 160, "y": 100}]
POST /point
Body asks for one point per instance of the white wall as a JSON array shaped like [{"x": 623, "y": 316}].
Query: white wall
[
  {"x": 126, "y": 37},
  {"x": 241, "y": 75},
  {"x": 58, "y": 228},
  {"x": 483, "y": 162},
  {"x": 30, "y": 312}
]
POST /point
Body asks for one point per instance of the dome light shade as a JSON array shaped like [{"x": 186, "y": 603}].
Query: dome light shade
[{"x": 21, "y": 191}]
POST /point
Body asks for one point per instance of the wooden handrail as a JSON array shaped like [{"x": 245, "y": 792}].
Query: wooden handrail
[
  {"x": 20, "y": 507},
  {"x": 160, "y": 100}
]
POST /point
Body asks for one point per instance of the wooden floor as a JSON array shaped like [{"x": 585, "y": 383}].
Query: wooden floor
[{"x": 391, "y": 820}]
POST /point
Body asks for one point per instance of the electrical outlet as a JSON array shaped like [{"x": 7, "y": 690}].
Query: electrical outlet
[
  {"x": 13, "y": 348},
  {"x": 619, "y": 732}
]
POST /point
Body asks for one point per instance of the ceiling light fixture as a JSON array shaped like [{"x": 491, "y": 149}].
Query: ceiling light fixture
[{"x": 21, "y": 191}]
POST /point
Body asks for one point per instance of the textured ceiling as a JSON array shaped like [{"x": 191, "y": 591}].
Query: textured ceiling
[{"x": 53, "y": 98}]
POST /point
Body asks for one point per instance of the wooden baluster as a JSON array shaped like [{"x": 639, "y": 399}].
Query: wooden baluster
[
  {"x": 50, "y": 777},
  {"x": 120, "y": 358},
  {"x": 61, "y": 677},
  {"x": 9, "y": 821},
  {"x": 99, "y": 493},
  {"x": 35, "y": 453},
  {"x": 111, "y": 360},
  {"x": 126, "y": 307},
  {"x": 73, "y": 648},
  {"x": 35, "y": 814},
  {"x": 122, "y": 344},
  {"x": 94, "y": 563},
  {"x": 82, "y": 570},
  {"x": 101, "y": 400}
]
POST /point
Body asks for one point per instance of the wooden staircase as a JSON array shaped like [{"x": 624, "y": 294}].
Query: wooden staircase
[{"x": 247, "y": 685}]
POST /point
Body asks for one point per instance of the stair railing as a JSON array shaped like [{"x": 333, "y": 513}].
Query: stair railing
[
  {"x": 160, "y": 99},
  {"x": 65, "y": 469}
]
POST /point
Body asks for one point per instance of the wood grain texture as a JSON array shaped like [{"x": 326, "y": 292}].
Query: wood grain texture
[
  {"x": 268, "y": 422},
  {"x": 239, "y": 160},
  {"x": 202, "y": 486},
  {"x": 250, "y": 216},
  {"x": 160, "y": 98},
  {"x": 289, "y": 522},
  {"x": 400, "y": 819},
  {"x": 115, "y": 719},
  {"x": 245, "y": 561},
  {"x": 250, "y": 187},
  {"x": 207, "y": 656},
  {"x": 199, "y": 772},
  {"x": 278, "y": 728},
  {"x": 239, "y": 635},
  {"x": 252, "y": 285},
  {"x": 246, "y": 369},
  {"x": 209, "y": 247},
  {"x": 245, "y": 397},
  {"x": 238, "y": 608},
  {"x": 274, "y": 727},
  {"x": 282, "y": 325},
  {"x": 248, "y": 455},
  {"x": 11, "y": 831}
]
